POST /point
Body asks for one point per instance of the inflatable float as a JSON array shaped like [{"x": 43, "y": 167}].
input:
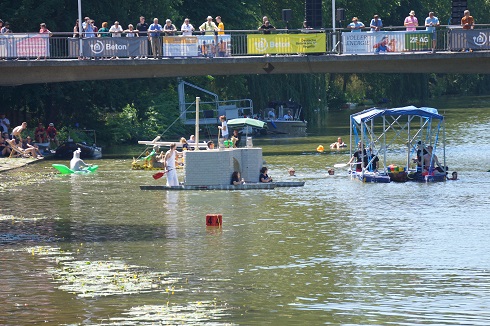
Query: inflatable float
[{"x": 63, "y": 169}]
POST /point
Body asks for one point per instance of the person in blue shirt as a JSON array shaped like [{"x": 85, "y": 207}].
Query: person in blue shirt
[
  {"x": 356, "y": 25},
  {"x": 376, "y": 24},
  {"x": 154, "y": 33},
  {"x": 431, "y": 23}
]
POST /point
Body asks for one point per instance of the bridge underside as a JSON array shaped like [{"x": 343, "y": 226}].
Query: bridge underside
[{"x": 50, "y": 71}]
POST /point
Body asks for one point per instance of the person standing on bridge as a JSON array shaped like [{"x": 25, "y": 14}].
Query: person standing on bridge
[
  {"x": 376, "y": 24},
  {"x": 44, "y": 30},
  {"x": 116, "y": 30},
  {"x": 142, "y": 28},
  {"x": 356, "y": 25},
  {"x": 169, "y": 28},
  {"x": 6, "y": 29},
  {"x": 468, "y": 23},
  {"x": 411, "y": 22},
  {"x": 209, "y": 27},
  {"x": 154, "y": 32},
  {"x": 187, "y": 28},
  {"x": 267, "y": 27},
  {"x": 221, "y": 26},
  {"x": 431, "y": 23}
]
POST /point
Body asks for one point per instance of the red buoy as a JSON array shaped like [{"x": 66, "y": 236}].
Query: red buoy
[{"x": 214, "y": 220}]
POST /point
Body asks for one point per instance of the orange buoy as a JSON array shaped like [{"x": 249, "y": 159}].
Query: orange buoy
[
  {"x": 320, "y": 148},
  {"x": 214, "y": 220}
]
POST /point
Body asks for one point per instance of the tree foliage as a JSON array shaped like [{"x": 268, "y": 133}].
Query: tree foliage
[{"x": 126, "y": 110}]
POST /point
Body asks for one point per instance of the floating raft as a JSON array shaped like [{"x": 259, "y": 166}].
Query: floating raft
[
  {"x": 370, "y": 177},
  {"x": 247, "y": 186},
  {"x": 63, "y": 169}
]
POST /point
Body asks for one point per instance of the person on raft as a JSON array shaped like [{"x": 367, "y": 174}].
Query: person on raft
[{"x": 76, "y": 163}]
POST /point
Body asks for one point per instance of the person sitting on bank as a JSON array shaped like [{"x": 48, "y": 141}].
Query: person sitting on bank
[
  {"x": 338, "y": 144},
  {"x": 28, "y": 144},
  {"x": 236, "y": 179},
  {"x": 264, "y": 177},
  {"x": 454, "y": 176},
  {"x": 4, "y": 148}
]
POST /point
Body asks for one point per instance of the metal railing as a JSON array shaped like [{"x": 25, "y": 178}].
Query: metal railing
[{"x": 30, "y": 46}]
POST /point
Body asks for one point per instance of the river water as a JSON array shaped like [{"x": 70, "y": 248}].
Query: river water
[{"x": 95, "y": 250}]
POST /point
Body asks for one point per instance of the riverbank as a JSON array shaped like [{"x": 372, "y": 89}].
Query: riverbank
[{"x": 13, "y": 163}]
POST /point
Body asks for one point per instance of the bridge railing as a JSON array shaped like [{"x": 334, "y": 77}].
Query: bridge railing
[{"x": 242, "y": 43}]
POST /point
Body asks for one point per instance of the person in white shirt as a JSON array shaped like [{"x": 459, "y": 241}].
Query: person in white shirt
[
  {"x": 187, "y": 28},
  {"x": 116, "y": 30},
  {"x": 223, "y": 127}
]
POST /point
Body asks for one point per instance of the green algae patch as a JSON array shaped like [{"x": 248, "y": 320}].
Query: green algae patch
[
  {"x": 91, "y": 279},
  {"x": 104, "y": 278},
  {"x": 191, "y": 313}
]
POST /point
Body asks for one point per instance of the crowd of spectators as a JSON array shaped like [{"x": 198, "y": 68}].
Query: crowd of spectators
[{"x": 17, "y": 142}]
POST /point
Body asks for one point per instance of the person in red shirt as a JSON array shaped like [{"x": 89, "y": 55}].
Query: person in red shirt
[
  {"x": 40, "y": 133},
  {"x": 52, "y": 132}
]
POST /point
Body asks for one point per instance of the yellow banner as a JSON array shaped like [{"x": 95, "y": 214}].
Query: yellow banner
[{"x": 286, "y": 43}]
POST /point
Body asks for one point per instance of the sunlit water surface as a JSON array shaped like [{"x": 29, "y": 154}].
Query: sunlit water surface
[{"x": 95, "y": 249}]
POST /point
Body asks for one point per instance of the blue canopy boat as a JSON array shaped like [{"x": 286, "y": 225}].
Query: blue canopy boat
[{"x": 399, "y": 133}]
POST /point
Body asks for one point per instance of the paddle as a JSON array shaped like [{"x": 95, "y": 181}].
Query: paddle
[
  {"x": 158, "y": 175},
  {"x": 342, "y": 165}
]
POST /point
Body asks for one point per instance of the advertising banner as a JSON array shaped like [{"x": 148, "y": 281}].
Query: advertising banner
[
  {"x": 382, "y": 42},
  {"x": 214, "y": 45},
  {"x": 5, "y": 45},
  {"x": 286, "y": 43},
  {"x": 32, "y": 45},
  {"x": 474, "y": 39},
  {"x": 180, "y": 46},
  {"x": 109, "y": 47},
  {"x": 24, "y": 45}
]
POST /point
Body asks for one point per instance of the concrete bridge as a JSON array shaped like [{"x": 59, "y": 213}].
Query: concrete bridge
[{"x": 65, "y": 70}]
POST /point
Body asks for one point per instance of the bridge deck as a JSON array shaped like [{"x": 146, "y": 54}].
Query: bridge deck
[{"x": 63, "y": 70}]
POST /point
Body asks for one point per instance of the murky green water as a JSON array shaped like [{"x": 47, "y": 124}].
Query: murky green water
[{"x": 96, "y": 250}]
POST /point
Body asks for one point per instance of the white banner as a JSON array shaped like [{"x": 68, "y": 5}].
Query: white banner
[{"x": 383, "y": 42}]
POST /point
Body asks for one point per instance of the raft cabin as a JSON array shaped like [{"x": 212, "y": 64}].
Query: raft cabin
[
  {"x": 393, "y": 143},
  {"x": 211, "y": 169}
]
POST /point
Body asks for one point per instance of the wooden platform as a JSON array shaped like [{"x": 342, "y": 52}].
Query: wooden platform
[{"x": 247, "y": 186}]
